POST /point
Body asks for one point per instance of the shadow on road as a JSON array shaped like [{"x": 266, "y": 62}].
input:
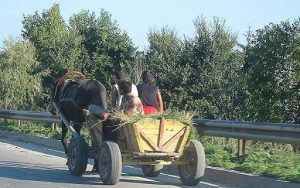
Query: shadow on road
[
  {"x": 55, "y": 173},
  {"x": 37, "y": 172}
]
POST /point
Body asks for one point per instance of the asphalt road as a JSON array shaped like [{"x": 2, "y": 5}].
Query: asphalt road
[{"x": 25, "y": 165}]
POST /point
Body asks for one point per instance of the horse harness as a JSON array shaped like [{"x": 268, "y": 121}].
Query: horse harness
[
  {"x": 72, "y": 97},
  {"x": 75, "y": 85}
]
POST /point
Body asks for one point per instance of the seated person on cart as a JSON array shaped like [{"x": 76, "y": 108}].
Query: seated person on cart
[
  {"x": 149, "y": 94},
  {"x": 130, "y": 104}
]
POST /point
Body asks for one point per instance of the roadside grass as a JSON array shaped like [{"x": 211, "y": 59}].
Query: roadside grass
[
  {"x": 38, "y": 129},
  {"x": 260, "y": 159},
  {"x": 267, "y": 159},
  {"x": 31, "y": 129}
]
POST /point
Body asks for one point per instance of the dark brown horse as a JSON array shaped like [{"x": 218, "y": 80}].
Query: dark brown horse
[{"x": 73, "y": 96}]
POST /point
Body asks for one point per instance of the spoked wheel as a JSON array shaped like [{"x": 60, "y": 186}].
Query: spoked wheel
[
  {"x": 110, "y": 163},
  {"x": 191, "y": 174},
  {"x": 77, "y": 156},
  {"x": 152, "y": 170}
]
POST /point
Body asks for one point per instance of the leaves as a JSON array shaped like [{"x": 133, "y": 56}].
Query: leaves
[
  {"x": 104, "y": 45},
  {"x": 272, "y": 72},
  {"x": 58, "y": 49},
  {"x": 200, "y": 74},
  {"x": 20, "y": 87},
  {"x": 92, "y": 45}
]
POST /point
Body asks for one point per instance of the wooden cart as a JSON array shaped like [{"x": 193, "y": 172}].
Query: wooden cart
[{"x": 149, "y": 143}]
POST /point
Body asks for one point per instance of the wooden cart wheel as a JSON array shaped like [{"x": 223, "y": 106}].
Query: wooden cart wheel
[
  {"x": 77, "y": 156},
  {"x": 152, "y": 170},
  {"x": 192, "y": 173},
  {"x": 110, "y": 163}
]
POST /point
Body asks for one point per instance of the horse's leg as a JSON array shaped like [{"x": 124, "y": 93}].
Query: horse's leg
[
  {"x": 64, "y": 136},
  {"x": 109, "y": 132},
  {"x": 77, "y": 128}
]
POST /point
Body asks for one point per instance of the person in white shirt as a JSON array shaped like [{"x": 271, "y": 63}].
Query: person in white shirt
[{"x": 120, "y": 74}]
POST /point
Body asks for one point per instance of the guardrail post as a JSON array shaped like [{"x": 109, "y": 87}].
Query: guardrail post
[
  {"x": 241, "y": 147},
  {"x": 54, "y": 126}
]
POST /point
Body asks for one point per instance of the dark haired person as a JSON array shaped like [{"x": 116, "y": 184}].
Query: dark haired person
[
  {"x": 130, "y": 104},
  {"x": 150, "y": 94},
  {"x": 120, "y": 74}
]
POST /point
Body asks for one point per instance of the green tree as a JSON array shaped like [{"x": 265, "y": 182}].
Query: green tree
[
  {"x": 272, "y": 68},
  {"x": 58, "y": 49},
  {"x": 216, "y": 88},
  {"x": 105, "y": 46},
  {"x": 294, "y": 109},
  {"x": 162, "y": 58},
  {"x": 201, "y": 74},
  {"x": 20, "y": 87}
]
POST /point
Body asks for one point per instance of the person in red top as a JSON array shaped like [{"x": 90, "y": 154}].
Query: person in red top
[{"x": 150, "y": 94}]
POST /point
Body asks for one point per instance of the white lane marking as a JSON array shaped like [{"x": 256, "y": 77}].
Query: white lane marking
[
  {"x": 174, "y": 176},
  {"x": 57, "y": 151},
  {"x": 133, "y": 168}
]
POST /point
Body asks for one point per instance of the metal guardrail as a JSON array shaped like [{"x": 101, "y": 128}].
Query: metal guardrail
[
  {"x": 273, "y": 132},
  {"x": 29, "y": 115}
]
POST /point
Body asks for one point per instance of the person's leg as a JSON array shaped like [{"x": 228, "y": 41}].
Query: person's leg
[
  {"x": 109, "y": 131},
  {"x": 64, "y": 131}
]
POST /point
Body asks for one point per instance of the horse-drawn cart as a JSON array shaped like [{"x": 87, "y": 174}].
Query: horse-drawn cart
[{"x": 149, "y": 143}]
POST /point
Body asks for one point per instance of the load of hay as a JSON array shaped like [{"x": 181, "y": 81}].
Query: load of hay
[{"x": 122, "y": 119}]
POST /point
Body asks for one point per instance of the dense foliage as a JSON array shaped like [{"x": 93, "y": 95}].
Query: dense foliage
[
  {"x": 272, "y": 67},
  {"x": 209, "y": 73},
  {"x": 57, "y": 47},
  {"x": 89, "y": 44},
  {"x": 200, "y": 74},
  {"x": 20, "y": 87},
  {"x": 104, "y": 46}
]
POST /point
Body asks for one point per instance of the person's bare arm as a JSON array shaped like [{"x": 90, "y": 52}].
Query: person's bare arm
[
  {"x": 139, "y": 105},
  {"x": 131, "y": 106},
  {"x": 136, "y": 106},
  {"x": 159, "y": 101},
  {"x": 114, "y": 95}
]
